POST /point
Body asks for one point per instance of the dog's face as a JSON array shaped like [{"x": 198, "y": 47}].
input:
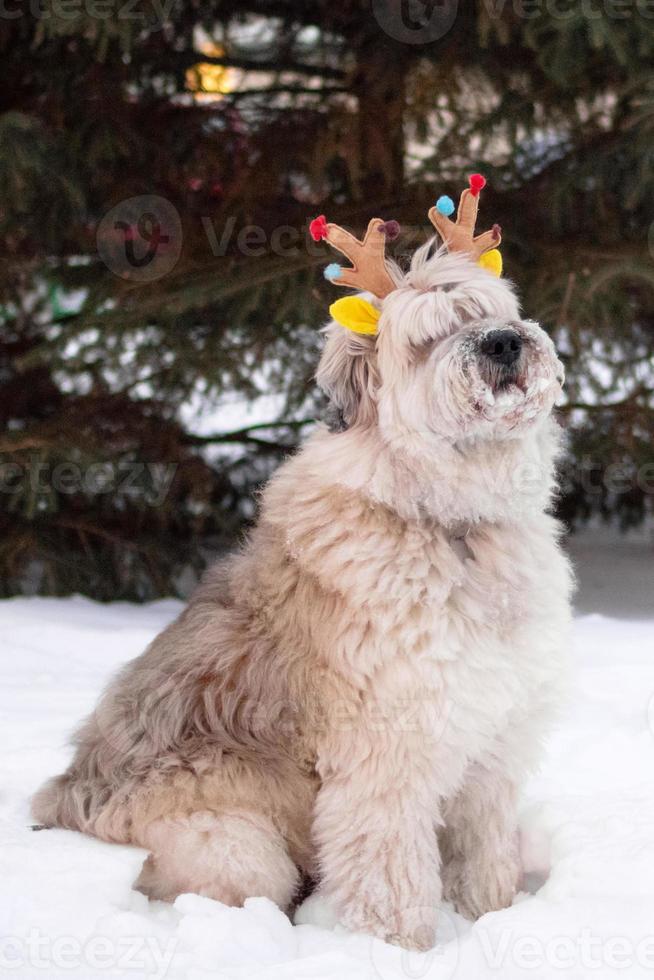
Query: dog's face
[{"x": 452, "y": 358}]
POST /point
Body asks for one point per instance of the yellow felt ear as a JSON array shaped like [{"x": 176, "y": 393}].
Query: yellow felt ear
[
  {"x": 356, "y": 314},
  {"x": 492, "y": 261}
]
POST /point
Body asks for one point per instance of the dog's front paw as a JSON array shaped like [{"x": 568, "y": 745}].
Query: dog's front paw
[
  {"x": 391, "y": 890},
  {"x": 411, "y": 931},
  {"x": 475, "y": 890},
  {"x": 412, "y": 928}
]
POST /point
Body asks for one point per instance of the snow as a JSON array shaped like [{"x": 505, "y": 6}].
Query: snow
[{"x": 67, "y": 908}]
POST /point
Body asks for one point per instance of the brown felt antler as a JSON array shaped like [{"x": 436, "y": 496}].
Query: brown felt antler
[
  {"x": 459, "y": 235},
  {"x": 368, "y": 270}
]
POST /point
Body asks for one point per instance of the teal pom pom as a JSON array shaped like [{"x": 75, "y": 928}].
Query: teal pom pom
[
  {"x": 445, "y": 205},
  {"x": 332, "y": 271}
]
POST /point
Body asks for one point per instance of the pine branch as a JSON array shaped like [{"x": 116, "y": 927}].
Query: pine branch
[
  {"x": 607, "y": 406},
  {"x": 181, "y": 60},
  {"x": 244, "y": 436},
  {"x": 286, "y": 90}
]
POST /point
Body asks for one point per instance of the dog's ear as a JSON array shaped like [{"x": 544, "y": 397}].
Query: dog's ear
[{"x": 347, "y": 373}]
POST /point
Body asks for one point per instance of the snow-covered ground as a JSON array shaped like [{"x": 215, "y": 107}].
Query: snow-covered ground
[{"x": 67, "y": 908}]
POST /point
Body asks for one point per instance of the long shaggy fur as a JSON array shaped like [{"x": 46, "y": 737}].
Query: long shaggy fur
[{"x": 356, "y": 696}]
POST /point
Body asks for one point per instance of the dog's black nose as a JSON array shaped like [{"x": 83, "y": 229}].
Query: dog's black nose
[{"x": 502, "y": 346}]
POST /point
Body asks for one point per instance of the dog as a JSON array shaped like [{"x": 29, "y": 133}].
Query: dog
[{"x": 355, "y": 698}]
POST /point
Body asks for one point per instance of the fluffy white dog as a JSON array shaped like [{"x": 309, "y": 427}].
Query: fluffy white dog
[{"x": 356, "y": 696}]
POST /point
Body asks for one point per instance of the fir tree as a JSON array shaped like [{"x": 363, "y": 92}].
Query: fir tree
[{"x": 247, "y": 119}]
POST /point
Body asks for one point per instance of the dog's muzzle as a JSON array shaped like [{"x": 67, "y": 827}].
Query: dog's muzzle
[{"x": 500, "y": 358}]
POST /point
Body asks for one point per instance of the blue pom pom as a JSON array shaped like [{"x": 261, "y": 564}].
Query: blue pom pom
[
  {"x": 332, "y": 271},
  {"x": 445, "y": 205}
]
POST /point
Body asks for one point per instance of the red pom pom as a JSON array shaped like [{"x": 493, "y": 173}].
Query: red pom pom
[
  {"x": 318, "y": 228},
  {"x": 477, "y": 182}
]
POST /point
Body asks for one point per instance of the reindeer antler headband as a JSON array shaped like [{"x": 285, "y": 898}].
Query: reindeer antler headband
[{"x": 368, "y": 269}]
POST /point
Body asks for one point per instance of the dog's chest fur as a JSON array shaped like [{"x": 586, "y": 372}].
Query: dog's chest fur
[{"x": 451, "y": 635}]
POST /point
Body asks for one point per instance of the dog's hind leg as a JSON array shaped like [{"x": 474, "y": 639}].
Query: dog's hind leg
[{"x": 227, "y": 855}]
